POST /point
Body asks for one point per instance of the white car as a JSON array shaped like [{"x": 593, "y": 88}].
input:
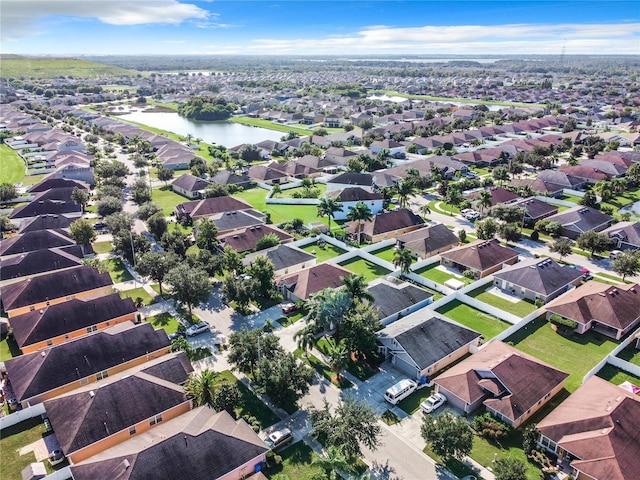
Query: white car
[
  {"x": 198, "y": 328},
  {"x": 433, "y": 402}
]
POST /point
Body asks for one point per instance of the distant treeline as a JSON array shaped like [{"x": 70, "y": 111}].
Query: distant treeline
[{"x": 206, "y": 108}]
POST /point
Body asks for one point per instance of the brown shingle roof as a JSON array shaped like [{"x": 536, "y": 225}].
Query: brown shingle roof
[
  {"x": 313, "y": 279},
  {"x": 245, "y": 239},
  {"x": 481, "y": 255},
  {"x": 387, "y": 222},
  {"x": 211, "y": 206}
]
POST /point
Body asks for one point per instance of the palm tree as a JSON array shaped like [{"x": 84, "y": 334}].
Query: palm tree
[
  {"x": 356, "y": 285},
  {"x": 359, "y": 213},
  {"x": 275, "y": 190},
  {"x": 425, "y": 210},
  {"x": 306, "y": 338},
  {"x": 338, "y": 356},
  {"x": 334, "y": 462},
  {"x": 619, "y": 185},
  {"x": 604, "y": 189},
  {"x": 201, "y": 387},
  {"x": 484, "y": 200},
  {"x": 328, "y": 309},
  {"x": 405, "y": 189},
  {"x": 453, "y": 198},
  {"x": 327, "y": 207},
  {"x": 402, "y": 258}
]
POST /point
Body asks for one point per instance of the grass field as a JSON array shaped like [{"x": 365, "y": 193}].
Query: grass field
[
  {"x": 167, "y": 199},
  {"x": 457, "y": 99},
  {"x": 8, "y": 348},
  {"x": 259, "y": 122},
  {"x": 369, "y": 270},
  {"x": 15, "y": 66},
  {"x": 631, "y": 355},
  {"x": 321, "y": 187},
  {"x": 327, "y": 252},
  {"x": 279, "y": 213},
  {"x": 137, "y": 293},
  {"x": 387, "y": 253},
  {"x": 117, "y": 270},
  {"x": 411, "y": 404},
  {"x": 102, "y": 247},
  {"x": 575, "y": 354},
  {"x": 617, "y": 376},
  {"x": 29, "y": 180},
  {"x": 432, "y": 272},
  {"x": 521, "y": 308},
  {"x": 16, "y": 437},
  {"x": 488, "y": 325},
  {"x": 12, "y": 168},
  {"x": 166, "y": 321},
  {"x": 296, "y": 463}
]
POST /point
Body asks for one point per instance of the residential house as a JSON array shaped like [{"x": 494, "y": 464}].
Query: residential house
[
  {"x": 612, "y": 310},
  {"x": 295, "y": 170},
  {"x": 49, "y": 182},
  {"x": 538, "y": 278},
  {"x": 579, "y": 219},
  {"x": 386, "y": 225},
  {"x": 349, "y": 197},
  {"x": 397, "y": 299},
  {"x": 479, "y": 158},
  {"x": 303, "y": 283},
  {"x": 46, "y": 203},
  {"x": 587, "y": 174},
  {"x": 174, "y": 156},
  {"x": 596, "y": 431},
  {"x": 190, "y": 186},
  {"x": 55, "y": 287},
  {"x": 15, "y": 268},
  {"x": 559, "y": 177},
  {"x": 37, "y": 240},
  {"x": 245, "y": 239},
  {"x": 482, "y": 257},
  {"x": 61, "y": 322},
  {"x": 229, "y": 221},
  {"x": 198, "y": 445},
  {"x": 625, "y": 234},
  {"x": 45, "y": 222},
  {"x": 224, "y": 177},
  {"x": 267, "y": 174},
  {"x": 59, "y": 369},
  {"x": 535, "y": 210},
  {"x": 509, "y": 383},
  {"x": 428, "y": 241},
  {"x": 319, "y": 163},
  {"x": 423, "y": 343},
  {"x": 210, "y": 206},
  {"x": 285, "y": 259},
  {"x": 99, "y": 416},
  {"x": 499, "y": 196},
  {"x": 344, "y": 180},
  {"x": 339, "y": 155},
  {"x": 395, "y": 149}
]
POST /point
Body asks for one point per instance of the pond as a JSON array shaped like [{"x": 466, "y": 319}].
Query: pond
[
  {"x": 222, "y": 133},
  {"x": 634, "y": 209}
]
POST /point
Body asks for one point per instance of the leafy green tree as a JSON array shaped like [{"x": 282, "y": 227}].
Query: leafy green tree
[
  {"x": 157, "y": 224},
  {"x": 201, "y": 387},
  {"x": 82, "y": 231},
  {"x": 164, "y": 174},
  {"x": 130, "y": 244},
  {"x": 8, "y": 192},
  {"x": 359, "y": 329},
  {"x": 509, "y": 232},
  {"x": 562, "y": 246},
  {"x": 333, "y": 462},
  {"x": 353, "y": 423},
  {"x": 484, "y": 200},
  {"x": 147, "y": 209},
  {"x": 328, "y": 309},
  {"x": 356, "y": 285},
  {"x": 402, "y": 259},
  {"x": 449, "y": 435},
  {"x": 246, "y": 347},
  {"x": 111, "y": 191},
  {"x": 5, "y": 224},
  {"x": 206, "y": 231},
  {"x": 405, "y": 189},
  {"x": 453, "y": 198},
  {"x": 189, "y": 285},
  {"x": 626, "y": 264},
  {"x": 589, "y": 199},
  {"x": 225, "y": 397},
  {"x": 283, "y": 379},
  {"x": 156, "y": 265},
  {"x": 510, "y": 469},
  {"x": 261, "y": 270},
  {"x": 140, "y": 192},
  {"x": 275, "y": 190},
  {"x": 108, "y": 206},
  {"x": 175, "y": 241},
  {"x": 216, "y": 190},
  {"x": 359, "y": 213},
  {"x": 633, "y": 173},
  {"x": 328, "y": 207},
  {"x": 268, "y": 241},
  {"x": 508, "y": 213},
  {"x": 79, "y": 196},
  {"x": 232, "y": 260},
  {"x": 593, "y": 241},
  {"x": 500, "y": 174},
  {"x": 486, "y": 229}
]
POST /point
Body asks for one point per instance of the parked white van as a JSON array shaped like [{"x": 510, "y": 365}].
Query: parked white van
[{"x": 400, "y": 390}]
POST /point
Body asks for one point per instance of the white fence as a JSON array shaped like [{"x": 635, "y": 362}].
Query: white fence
[
  {"x": 21, "y": 415},
  {"x": 62, "y": 474},
  {"x": 615, "y": 361}
]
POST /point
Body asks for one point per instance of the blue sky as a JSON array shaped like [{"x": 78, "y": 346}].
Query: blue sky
[{"x": 348, "y": 27}]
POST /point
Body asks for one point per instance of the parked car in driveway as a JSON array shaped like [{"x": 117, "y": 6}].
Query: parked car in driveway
[
  {"x": 433, "y": 402},
  {"x": 279, "y": 439},
  {"x": 197, "y": 329},
  {"x": 288, "y": 307},
  {"x": 174, "y": 335}
]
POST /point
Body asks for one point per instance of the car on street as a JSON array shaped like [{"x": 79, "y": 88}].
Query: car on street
[
  {"x": 174, "y": 335},
  {"x": 470, "y": 214},
  {"x": 99, "y": 225},
  {"x": 279, "y": 439},
  {"x": 197, "y": 329},
  {"x": 433, "y": 402},
  {"x": 288, "y": 307}
]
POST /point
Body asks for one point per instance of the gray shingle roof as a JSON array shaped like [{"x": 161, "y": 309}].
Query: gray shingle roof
[
  {"x": 282, "y": 256},
  {"x": 429, "y": 239},
  {"x": 391, "y": 299},
  {"x": 542, "y": 275}
]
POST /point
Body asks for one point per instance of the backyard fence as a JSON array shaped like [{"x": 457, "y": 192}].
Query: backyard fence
[{"x": 21, "y": 415}]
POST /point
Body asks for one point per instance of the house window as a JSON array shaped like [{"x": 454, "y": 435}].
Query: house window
[
  {"x": 548, "y": 443},
  {"x": 92, "y": 328},
  {"x": 66, "y": 337},
  {"x": 101, "y": 375},
  {"x": 156, "y": 419},
  {"x": 49, "y": 343},
  {"x": 132, "y": 430},
  {"x": 84, "y": 381},
  {"x": 32, "y": 308}
]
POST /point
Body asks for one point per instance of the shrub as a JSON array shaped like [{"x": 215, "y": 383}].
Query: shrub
[
  {"x": 273, "y": 460},
  {"x": 538, "y": 302},
  {"x": 563, "y": 322},
  {"x": 462, "y": 235},
  {"x": 490, "y": 427},
  {"x": 535, "y": 236},
  {"x": 469, "y": 274}
]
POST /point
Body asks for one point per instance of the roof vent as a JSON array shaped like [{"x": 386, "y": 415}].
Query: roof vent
[
  {"x": 92, "y": 394},
  {"x": 126, "y": 464},
  {"x": 42, "y": 354}
]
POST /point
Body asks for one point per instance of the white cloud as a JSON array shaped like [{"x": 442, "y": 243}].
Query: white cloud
[
  {"x": 20, "y": 17},
  {"x": 468, "y": 39}
]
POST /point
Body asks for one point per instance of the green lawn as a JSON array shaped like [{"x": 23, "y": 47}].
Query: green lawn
[
  {"x": 12, "y": 168},
  {"x": 488, "y": 325},
  {"x": 296, "y": 463},
  {"x": 280, "y": 213},
  {"x": 167, "y": 199},
  {"x": 322, "y": 368},
  {"x": 456, "y": 467},
  {"x": 369, "y": 270},
  {"x": 135, "y": 293},
  {"x": 259, "y": 122},
  {"x": 484, "y": 452},
  {"x": 249, "y": 404},
  {"x": 521, "y": 308},
  {"x": 620, "y": 200},
  {"x": 8, "y": 348},
  {"x": 617, "y": 376},
  {"x": 358, "y": 369},
  {"x": 166, "y": 321},
  {"x": 432, "y": 272},
  {"x": 575, "y": 354},
  {"x": 570, "y": 198},
  {"x": 321, "y": 187},
  {"x": 29, "y": 180},
  {"x": 411, "y": 404},
  {"x": 387, "y": 253},
  {"x": 324, "y": 253},
  {"x": 117, "y": 270},
  {"x": 16, "y": 437},
  {"x": 631, "y": 354},
  {"x": 102, "y": 247},
  {"x": 290, "y": 319}
]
